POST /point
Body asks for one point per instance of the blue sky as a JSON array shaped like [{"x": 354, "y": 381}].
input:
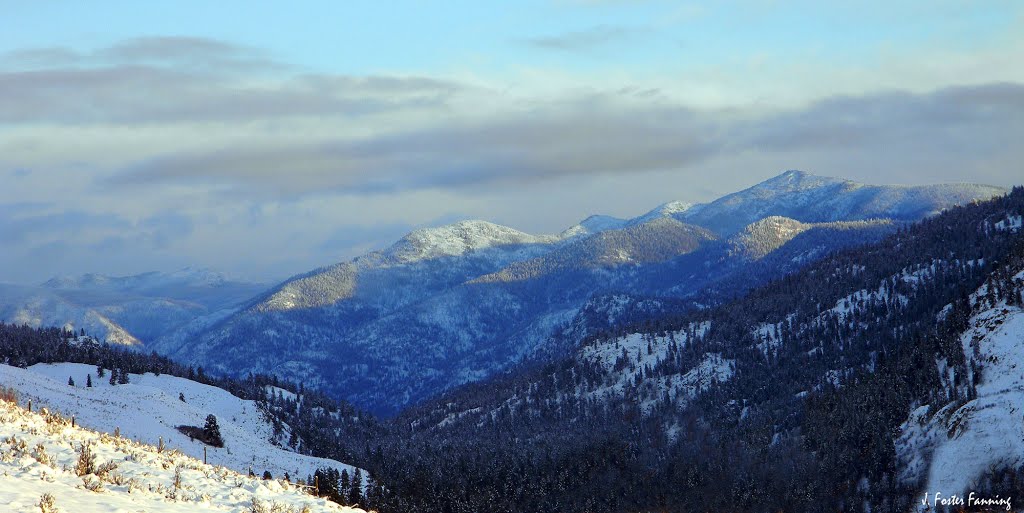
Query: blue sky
[{"x": 266, "y": 139}]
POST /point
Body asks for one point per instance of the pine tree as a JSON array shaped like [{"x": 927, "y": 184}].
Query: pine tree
[
  {"x": 88, "y": 381},
  {"x": 99, "y": 371},
  {"x": 343, "y": 486},
  {"x": 355, "y": 494},
  {"x": 113, "y": 376},
  {"x": 71, "y": 382},
  {"x": 212, "y": 432},
  {"x": 122, "y": 377}
]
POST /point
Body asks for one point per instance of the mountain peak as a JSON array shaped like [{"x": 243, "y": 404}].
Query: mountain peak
[
  {"x": 794, "y": 179},
  {"x": 460, "y": 238}
]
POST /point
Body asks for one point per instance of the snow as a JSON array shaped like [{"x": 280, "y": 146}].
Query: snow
[
  {"x": 986, "y": 431},
  {"x": 188, "y": 276},
  {"x": 964, "y": 440},
  {"x": 39, "y": 307},
  {"x": 39, "y": 452},
  {"x": 128, "y": 310},
  {"x": 682, "y": 387},
  {"x": 594, "y": 224},
  {"x": 601, "y": 223},
  {"x": 1011, "y": 223},
  {"x": 664, "y": 210},
  {"x": 148, "y": 408},
  {"x": 458, "y": 239}
]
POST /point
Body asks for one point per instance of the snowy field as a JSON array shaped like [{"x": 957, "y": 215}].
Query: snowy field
[
  {"x": 39, "y": 464},
  {"x": 148, "y": 408}
]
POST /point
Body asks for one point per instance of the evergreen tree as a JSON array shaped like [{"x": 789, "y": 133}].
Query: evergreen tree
[
  {"x": 122, "y": 377},
  {"x": 113, "y": 376},
  {"x": 344, "y": 485},
  {"x": 355, "y": 494},
  {"x": 71, "y": 382},
  {"x": 99, "y": 371},
  {"x": 88, "y": 381},
  {"x": 211, "y": 431}
]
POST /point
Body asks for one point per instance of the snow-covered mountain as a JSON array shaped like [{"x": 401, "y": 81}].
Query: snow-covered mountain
[
  {"x": 810, "y": 198},
  {"x": 448, "y": 305},
  {"x": 42, "y": 468},
  {"x": 36, "y": 306},
  {"x": 129, "y": 310}
]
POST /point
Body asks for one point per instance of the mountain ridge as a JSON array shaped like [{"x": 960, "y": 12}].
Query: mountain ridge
[{"x": 471, "y": 298}]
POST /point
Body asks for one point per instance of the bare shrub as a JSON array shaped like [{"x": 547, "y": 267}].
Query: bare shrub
[
  {"x": 47, "y": 504},
  {"x": 105, "y": 469},
  {"x": 86, "y": 461},
  {"x": 40, "y": 455},
  {"x": 92, "y": 483}
]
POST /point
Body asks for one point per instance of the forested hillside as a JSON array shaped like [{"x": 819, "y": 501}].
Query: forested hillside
[{"x": 791, "y": 398}]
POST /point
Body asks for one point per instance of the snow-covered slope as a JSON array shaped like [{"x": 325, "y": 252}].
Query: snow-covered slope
[
  {"x": 148, "y": 409},
  {"x": 657, "y": 240},
  {"x": 39, "y": 456},
  {"x": 419, "y": 264},
  {"x": 458, "y": 239},
  {"x": 955, "y": 444}
]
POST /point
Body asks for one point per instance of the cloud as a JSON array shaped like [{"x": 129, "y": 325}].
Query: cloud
[
  {"x": 31, "y": 222},
  {"x": 183, "y": 53},
  {"x": 583, "y": 40},
  {"x": 149, "y": 152},
  {"x": 958, "y": 123},
  {"x": 579, "y": 141},
  {"x": 600, "y": 135},
  {"x": 178, "y": 79}
]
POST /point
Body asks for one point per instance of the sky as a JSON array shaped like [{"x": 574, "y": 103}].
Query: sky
[{"x": 265, "y": 139}]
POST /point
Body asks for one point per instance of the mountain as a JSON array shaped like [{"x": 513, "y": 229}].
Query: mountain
[
  {"x": 128, "y": 310},
  {"x": 861, "y": 381},
  {"x": 449, "y": 305},
  {"x": 809, "y": 198},
  {"x": 34, "y": 306}
]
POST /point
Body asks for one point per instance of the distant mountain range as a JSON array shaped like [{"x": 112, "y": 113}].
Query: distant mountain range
[
  {"x": 130, "y": 310},
  {"x": 445, "y": 306},
  {"x": 449, "y": 305}
]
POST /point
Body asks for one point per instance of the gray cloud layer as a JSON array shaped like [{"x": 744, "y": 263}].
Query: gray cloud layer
[
  {"x": 948, "y": 128},
  {"x": 153, "y": 80}
]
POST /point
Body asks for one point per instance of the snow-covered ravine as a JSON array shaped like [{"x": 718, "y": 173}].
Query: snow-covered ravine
[
  {"x": 966, "y": 440},
  {"x": 39, "y": 464},
  {"x": 148, "y": 408}
]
